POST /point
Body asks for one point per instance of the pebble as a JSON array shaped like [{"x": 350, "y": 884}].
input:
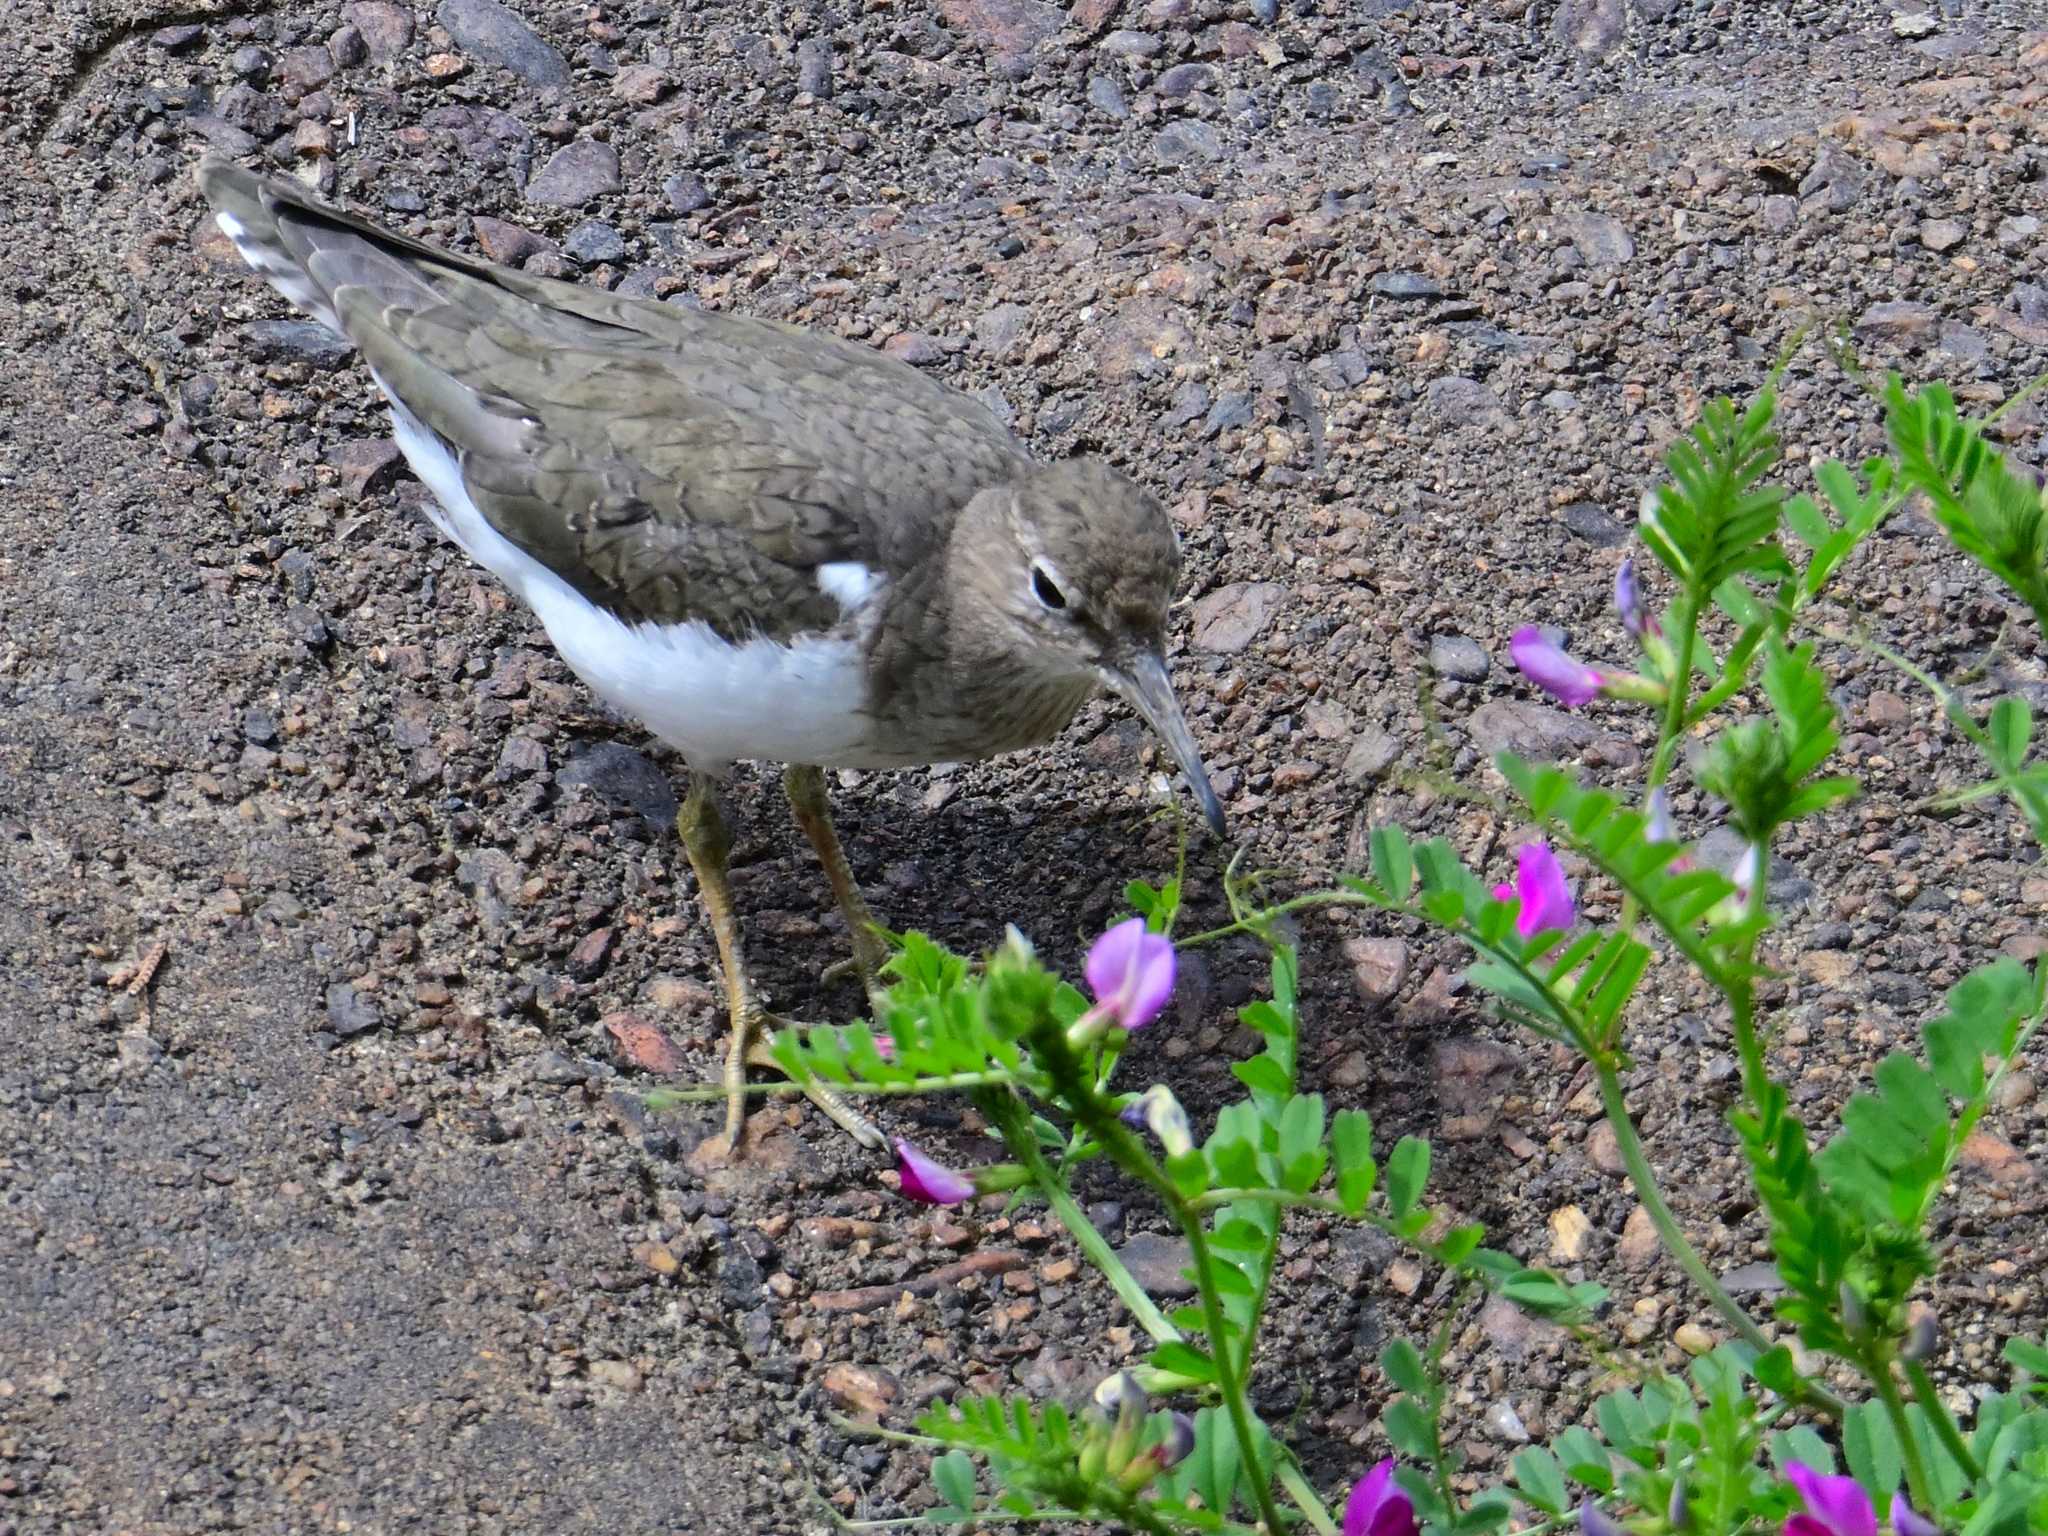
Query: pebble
[
  {"x": 1009, "y": 31},
  {"x": 347, "y": 47},
  {"x": 814, "y": 68},
  {"x": 486, "y": 30},
  {"x": 1107, "y": 97},
  {"x": 1406, "y": 286},
  {"x": 1379, "y": 967},
  {"x": 624, "y": 779},
  {"x": 251, "y": 63},
  {"x": 1156, "y": 1262},
  {"x": 616, "y": 1374},
  {"x": 1373, "y": 751},
  {"x": 1902, "y": 320},
  {"x": 1527, "y": 729},
  {"x": 1592, "y": 522},
  {"x": 555, "y": 1068},
  {"x": 1943, "y": 235},
  {"x": 1604, "y": 1149},
  {"x": 1600, "y": 238},
  {"x": 1185, "y": 79},
  {"x": 594, "y": 241},
  {"x": 1187, "y": 142},
  {"x": 1459, "y": 658},
  {"x": 686, "y": 192},
  {"x": 307, "y": 68},
  {"x": 1230, "y": 618},
  {"x": 865, "y": 1389},
  {"x": 1569, "y": 1230},
  {"x": 1503, "y": 1423},
  {"x": 506, "y": 243},
  {"x": 575, "y": 174},
  {"x": 385, "y": 28},
  {"x": 1693, "y": 1339},
  {"x": 1462, "y": 400},
  {"x": 179, "y": 38},
  {"x": 364, "y": 464},
  {"x": 349, "y": 1013},
  {"x": 1639, "y": 1245}
]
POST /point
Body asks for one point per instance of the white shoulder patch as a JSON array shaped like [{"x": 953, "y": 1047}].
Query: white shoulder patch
[{"x": 849, "y": 582}]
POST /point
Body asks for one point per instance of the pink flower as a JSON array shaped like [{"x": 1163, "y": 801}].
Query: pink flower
[
  {"x": 1377, "y": 1507},
  {"x": 1835, "y": 1506},
  {"x": 928, "y": 1181},
  {"x": 1540, "y": 886},
  {"x": 1130, "y": 971},
  {"x": 1551, "y": 668}
]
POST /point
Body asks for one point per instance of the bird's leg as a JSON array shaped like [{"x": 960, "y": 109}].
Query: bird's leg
[
  {"x": 805, "y": 787},
  {"x": 709, "y": 844}
]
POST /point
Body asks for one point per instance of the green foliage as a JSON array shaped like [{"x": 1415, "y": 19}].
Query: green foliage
[
  {"x": 1764, "y": 769},
  {"x": 1717, "y": 516},
  {"x": 1990, "y": 512}
]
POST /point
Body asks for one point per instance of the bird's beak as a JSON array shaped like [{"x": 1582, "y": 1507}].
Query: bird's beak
[{"x": 1141, "y": 681}]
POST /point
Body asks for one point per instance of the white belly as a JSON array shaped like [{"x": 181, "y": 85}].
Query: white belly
[{"x": 712, "y": 700}]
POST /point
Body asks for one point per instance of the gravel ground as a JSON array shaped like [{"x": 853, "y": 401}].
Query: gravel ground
[{"x": 348, "y": 1219}]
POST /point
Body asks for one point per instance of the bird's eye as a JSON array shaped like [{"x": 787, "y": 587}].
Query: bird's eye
[{"x": 1045, "y": 589}]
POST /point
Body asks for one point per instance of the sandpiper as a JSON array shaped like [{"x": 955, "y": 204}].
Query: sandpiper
[{"x": 762, "y": 542}]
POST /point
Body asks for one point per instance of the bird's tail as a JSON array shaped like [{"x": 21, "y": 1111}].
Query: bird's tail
[{"x": 315, "y": 255}]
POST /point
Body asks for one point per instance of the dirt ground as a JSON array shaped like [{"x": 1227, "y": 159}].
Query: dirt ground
[{"x": 349, "y": 1220}]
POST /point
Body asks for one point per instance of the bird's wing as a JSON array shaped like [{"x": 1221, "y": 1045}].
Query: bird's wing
[{"x": 670, "y": 464}]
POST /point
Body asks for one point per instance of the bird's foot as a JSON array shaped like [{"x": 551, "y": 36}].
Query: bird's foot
[{"x": 750, "y": 1048}]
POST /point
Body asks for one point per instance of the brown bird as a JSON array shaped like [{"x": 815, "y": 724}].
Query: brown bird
[{"x": 762, "y": 542}]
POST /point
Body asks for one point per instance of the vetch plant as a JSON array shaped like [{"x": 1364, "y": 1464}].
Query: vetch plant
[{"x": 1751, "y": 1438}]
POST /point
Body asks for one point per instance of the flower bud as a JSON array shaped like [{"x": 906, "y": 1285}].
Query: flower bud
[
  {"x": 1159, "y": 1112},
  {"x": 1922, "y": 1338},
  {"x": 1677, "y": 1511},
  {"x": 1908, "y": 1521},
  {"x": 1595, "y": 1521}
]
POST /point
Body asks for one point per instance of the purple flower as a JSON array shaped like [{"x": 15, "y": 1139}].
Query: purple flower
[
  {"x": 1658, "y": 827},
  {"x": 928, "y": 1181},
  {"x": 1628, "y": 599},
  {"x": 1540, "y": 886},
  {"x": 1159, "y": 1111},
  {"x": 1595, "y": 1521},
  {"x": 1551, "y": 668},
  {"x": 1130, "y": 971},
  {"x": 1908, "y": 1521},
  {"x": 1377, "y": 1507},
  {"x": 1835, "y": 1506}
]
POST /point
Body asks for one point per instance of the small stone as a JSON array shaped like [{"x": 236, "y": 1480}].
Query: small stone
[
  {"x": 641, "y": 84},
  {"x": 1008, "y": 30},
  {"x": 1513, "y": 1333},
  {"x": 386, "y": 28},
  {"x": 594, "y": 241},
  {"x": 179, "y": 38},
  {"x": 623, "y": 778},
  {"x": 555, "y": 1068},
  {"x": 1943, "y": 235},
  {"x": 2014, "y": 1090},
  {"x": 2017, "y": 231},
  {"x": 1593, "y": 27},
  {"x": 863, "y": 1389},
  {"x": 1406, "y": 286},
  {"x": 644, "y": 1044},
  {"x": 914, "y": 348},
  {"x": 1373, "y": 751},
  {"x": 1600, "y": 238},
  {"x": 1460, "y": 658},
  {"x": 486, "y": 30},
  {"x": 1185, "y": 80},
  {"x": 1527, "y": 729},
  {"x": 1693, "y": 1339},
  {"x": 1379, "y": 967},
  {"x": 251, "y": 63},
  {"x": 1569, "y": 1230},
  {"x": 575, "y": 174},
  {"x": 1591, "y": 521},
  {"x": 1405, "y": 1277},
  {"x": 1156, "y": 1263},
  {"x": 311, "y": 140},
  {"x": 616, "y": 1374},
  {"x": 1639, "y": 1245},
  {"x": 686, "y": 193},
  {"x": 307, "y": 68},
  {"x": 1462, "y": 400},
  {"x": 347, "y": 47},
  {"x": 1914, "y": 25},
  {"x": 1829, "y": 967},
  {"x": 1187, "y": 141},
  {"x": 1604, "y": 1149},
  {"x": 365, "y": 463},
  {"x": 1503, "y": 1423},
  {"x": 1995, "y": 1158},
  {"x": 446, "y": 66},
  {"x": 349, "y": 1013},
  {"x": 259, "y": 725},
  {"x": 1230, "y": 618},
  {"x": 587, "y": 959},
  {"x": 1354, "y": 1071},
  {"x": 1107, "y": 97},
  {"x": 1901, "y": 320},
  {"x": 814, "y": 68},
  {"x": 506, "y": 243},
  {"x": 1233, "y": 409}
]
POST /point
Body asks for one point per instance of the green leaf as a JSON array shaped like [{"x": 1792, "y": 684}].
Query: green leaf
[
  {"x": 1410, "y": 1429},
  {"x": 1406, "y": 1369},
  {"x": 1183, "y": 1359},
  {"x": 1585, "y": 1458},
  {"x": 1393, "y": 862},
  {"x": 2026, "y": 1355},
  {"x": 953, "y": 1476},
  {"x": 1870, "y": 1447},
  {"x": 1262, "y": 1074},
  {"x": 1541, "y": 1480},
  {"x": 1351, "y": 1143},
  {"x": 1804, "y": 1446},
  {"x": 1407, "y": 1173}
]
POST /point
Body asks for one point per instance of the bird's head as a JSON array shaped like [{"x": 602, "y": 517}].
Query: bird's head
[{"x": 1073, "y": 569}]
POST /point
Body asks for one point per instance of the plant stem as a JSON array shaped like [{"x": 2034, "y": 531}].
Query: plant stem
[
  {"x": 1672, "y": 729},
  {"x": 1614, "y": 1104},
  {"x": 1010, "y": 1119},
  {"x": 1304, "y": 1497},
  {"x": 1227, "y": 1383},
  {"x": 1943, "y": 1421},
  {"x": 662, "y": 1098},
  {"x": 1878, "y": 1367}
]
